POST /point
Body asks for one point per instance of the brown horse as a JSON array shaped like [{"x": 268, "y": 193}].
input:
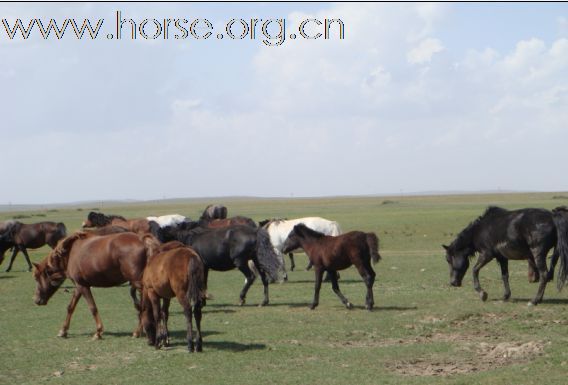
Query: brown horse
[
  {"x": 220, "y": 223},
  {"x": 139, "y": 225},
  {"x": 23, "y": 236},
  {"x": 177, "y": 271},
  {"x": 89, "y": 261},
  {"x": 332, "y": 253}
]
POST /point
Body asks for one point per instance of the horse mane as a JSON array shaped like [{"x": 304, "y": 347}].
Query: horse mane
[
  {"x": 59, "y": 256},
  {"x": 303, "y": 230},
  {"x": 464, "y": 238},
  {"x": 267, "y": 222},
  {"x": 100, "y": 219}
]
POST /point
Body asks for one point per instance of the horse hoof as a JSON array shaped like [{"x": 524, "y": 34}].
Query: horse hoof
[
  {"x": 312, "y": 306},
  {"x": 242, "y": 302},
  {"x": 531, "y": 304},
  {"x": 349, "y": 305},
  {"x": 135, "y": 335},
  {"x": 97, "y": 337},
  {"x": 62, "y": 334},
  {"x": 483, "y": 296}
]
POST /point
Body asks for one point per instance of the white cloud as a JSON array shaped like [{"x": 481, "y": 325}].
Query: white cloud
[{"x": 424, "y": 51}]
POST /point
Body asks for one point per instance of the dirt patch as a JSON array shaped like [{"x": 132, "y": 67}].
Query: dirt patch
[{"x": 483, "y": 356}]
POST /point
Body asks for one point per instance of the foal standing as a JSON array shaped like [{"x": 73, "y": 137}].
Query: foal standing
[
  {"x": 328, "y": 253},
  {"x": 177, "y": 271}
]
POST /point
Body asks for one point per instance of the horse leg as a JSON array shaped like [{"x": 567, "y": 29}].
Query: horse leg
[
  {"x": 14, "y": 252},
  {"x": 335, "y": 286},
  {"x": 25, "y": 251},
  {"x": 292, "y": 263},
  {"x": 553, "y": 261},
  {"x": 482, "y": 260},
  {"x": 165, "y": 317},
  {"x": 310, "y": 264},
  {"x": 264, "y": 280},
  {"x": 86, "y": 291},
  {"x": 147, "y": 319},
  {"x": 207, "y": 295},
  {"x": 197, "y": 314},
  {"x": 156, "y": 312},
  {"x": 249, "y": 279},
  {"x": 183, "y": 301},
  {"x": 70, "y": 309},
  {"x": 368, "y": 274},
  {"x": 504, "y": 264},
  {"x": 138, "y": 306},
  {"x": 319, "y": 275},
  {"x": 532, "y": 272},
  {"x": 540, "y": 260}
]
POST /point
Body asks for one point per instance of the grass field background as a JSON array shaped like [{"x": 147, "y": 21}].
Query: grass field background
[{"x": 422, "y": 331}]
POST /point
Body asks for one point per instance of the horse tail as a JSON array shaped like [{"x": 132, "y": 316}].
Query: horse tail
[
  {"x": 151, "y": 244},
  {"x": 195, "y": 279},
  {"x": 373, "y": 243},
  {"x": 269, "y": 261},
  {"x": 560, "y": 218}
]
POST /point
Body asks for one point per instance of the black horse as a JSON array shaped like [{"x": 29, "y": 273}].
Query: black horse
[
  {"x": 100, "y": 220},
  {"x": 232, "y": 247},
  {"x": 503, "y": 235}
]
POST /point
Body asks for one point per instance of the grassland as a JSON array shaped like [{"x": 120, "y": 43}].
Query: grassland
[{"x": 421, "y": 332}]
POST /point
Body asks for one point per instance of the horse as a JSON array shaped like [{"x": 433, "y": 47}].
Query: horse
[
  {"x": 219, "y": 223},
  {"x": 176, "y": 271},
  {"x": 333, "y": 253},
  {"x": 232, "y": 247},
  {"x": 511, "y": 235},
  {"x": 214, "y": 212},
  {"x": 279, "y": 229},
  {"x": 138, "y": 225},
  {"x": 22, "y": 236},
  {"x": 168, "y": 220},
  {"x": 90, "y": 260}
]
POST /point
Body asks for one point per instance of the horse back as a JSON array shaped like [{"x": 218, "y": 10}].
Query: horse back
[{"x": 105, "y": 261}]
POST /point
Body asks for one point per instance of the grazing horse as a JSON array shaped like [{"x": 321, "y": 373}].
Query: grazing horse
[
  {"x": 214, "y": 212},
  {"x": 139, "y": 225},
  {"x": 89, "y": 261},
  {"x": 176, "y": 271},
  {"x": 22, "y": 236},
  {"x": 279, "y": 229},
  {"x": 329, "y": 253},
  {"x": 503, "y": 235},
  {"x": 229, "y": 247}
]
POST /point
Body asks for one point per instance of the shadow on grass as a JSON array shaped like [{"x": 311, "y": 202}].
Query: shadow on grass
[
  {"x": 558, "y": 301},
  {"x": 323, "y": 282},
  {"x": 232, "y": 346},
  {"x": 7, "y": 276}
]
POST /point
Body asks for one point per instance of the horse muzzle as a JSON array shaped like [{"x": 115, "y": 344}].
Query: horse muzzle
[
  {"x": 40, "y": 301},
  {"x": 456, "y": 283}
]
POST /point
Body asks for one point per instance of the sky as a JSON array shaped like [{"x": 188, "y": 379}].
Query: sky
[{"x": 416, "y": 97}]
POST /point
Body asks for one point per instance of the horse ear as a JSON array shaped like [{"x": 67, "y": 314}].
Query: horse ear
[{"x": 445, "y": 247}]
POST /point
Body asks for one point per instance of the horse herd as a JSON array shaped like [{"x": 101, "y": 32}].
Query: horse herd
[{"x": 170, "y": 256}]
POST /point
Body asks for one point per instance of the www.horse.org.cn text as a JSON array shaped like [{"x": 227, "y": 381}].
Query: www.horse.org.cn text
[{"x": 271, "y": 32}]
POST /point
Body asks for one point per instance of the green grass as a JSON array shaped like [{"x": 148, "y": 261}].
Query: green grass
[{"x": 421, "y": 326}]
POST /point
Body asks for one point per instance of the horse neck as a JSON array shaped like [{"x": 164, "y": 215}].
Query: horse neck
[{"x": 466, "y": 239}]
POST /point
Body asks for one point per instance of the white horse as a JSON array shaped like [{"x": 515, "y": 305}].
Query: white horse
[
  {"x": 168, "y": 220},
  {"x": 279, "y": 229}
]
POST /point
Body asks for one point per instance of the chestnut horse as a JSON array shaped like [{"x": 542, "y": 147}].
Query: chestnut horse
[
  {"x": 90, "y": 260},
  {"x": 220, "y": 223},
  {"x": 22, "y": 236},
  {"x": 138, "y": 225},
  {"x": 177, "y": 271},
  {"x": 329, "y": 253}
]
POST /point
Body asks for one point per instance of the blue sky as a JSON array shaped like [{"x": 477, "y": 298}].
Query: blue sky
[{"x": 417, "y": 97}]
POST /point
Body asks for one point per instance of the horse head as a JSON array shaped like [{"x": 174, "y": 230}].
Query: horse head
[
  {"x": 458, "y": 261},
  {"x": 49, "y": 274}
]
